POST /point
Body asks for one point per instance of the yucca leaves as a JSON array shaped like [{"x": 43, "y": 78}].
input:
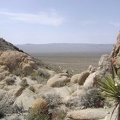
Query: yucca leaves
[{"x": 111, "y": 88}]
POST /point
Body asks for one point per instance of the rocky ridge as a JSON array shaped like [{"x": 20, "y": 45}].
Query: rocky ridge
[
  {"x": 4, "y": 45},
  {"x": 58, "y": 95}
]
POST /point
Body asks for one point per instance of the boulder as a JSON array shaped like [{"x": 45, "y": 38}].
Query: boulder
[
  {"x": 91, "y": 81},
  {"x": 58, "y": 80},
  {"x": 105, "y": 63},
  {"x": 87, "y": 114},
  {"x": 75, "y": 78},
  {"x": 37, "y": 87},
  {"x": 83, "y": 77},
  {"x": 25, "y": 100},
  {"x": 80, "y": 78}
]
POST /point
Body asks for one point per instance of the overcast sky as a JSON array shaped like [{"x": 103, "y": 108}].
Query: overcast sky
[{"x": 59, "y": 21}]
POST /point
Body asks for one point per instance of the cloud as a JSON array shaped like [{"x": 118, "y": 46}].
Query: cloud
[
  {"x": 117, "y": 24},
  {"x": 87, "y": 22},
  {"x": 44, "y": 18}
]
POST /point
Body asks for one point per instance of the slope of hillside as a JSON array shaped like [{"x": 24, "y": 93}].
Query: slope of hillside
[{"x": 4, "y": 45}]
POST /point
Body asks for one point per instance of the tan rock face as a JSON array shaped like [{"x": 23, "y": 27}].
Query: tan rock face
[{"x": 15, "y": 59}]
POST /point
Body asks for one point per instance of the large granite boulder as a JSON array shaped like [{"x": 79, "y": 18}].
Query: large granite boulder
[
  {"x": 91, "y": 81},
  {"x": 87, "y": 114},
  {"x": 58, "y": 80},
  {"x": 25, "y": 100},
  {"x": 80, "y": 78},
  {"x": 15, "y": 59}
]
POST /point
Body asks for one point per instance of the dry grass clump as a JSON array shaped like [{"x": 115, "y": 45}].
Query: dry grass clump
[
  {"x": 39, "y": 115},
  {"x": 39, "y": 104},
  {"x": 23, "y": 83},
  {"x": 31, "y": 88},
  {"x": 39, "y": 110},
  {"x": 40, "y": 75},
  {"x": 90, "y": 99},
  {"x": 9, "y": 80},
  {"x": 53, "y": 100}
]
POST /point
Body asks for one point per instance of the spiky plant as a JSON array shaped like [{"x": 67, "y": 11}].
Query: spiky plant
[{"x": 111, "y": 89}]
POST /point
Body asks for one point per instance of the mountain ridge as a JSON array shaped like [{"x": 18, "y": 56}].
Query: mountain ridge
[{"x": 66, "y": 48}]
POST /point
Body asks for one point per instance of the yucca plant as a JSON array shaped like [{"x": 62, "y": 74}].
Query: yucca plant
[{"x": 111, "y": 89}]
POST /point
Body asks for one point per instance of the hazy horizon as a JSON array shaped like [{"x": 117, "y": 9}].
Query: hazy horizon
[
  {"x": 61, "y": 21},
  {"x": 66, "y": 43}
]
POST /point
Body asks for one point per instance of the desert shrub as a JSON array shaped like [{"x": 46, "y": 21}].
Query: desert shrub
[
  {"x": 58, "y": 114},
  {"x": 39, "y": 115},
  {"x": 2, "y": 114},
  {"x": 19, "y": 72},
  {"x": 60, "y": 84},
  {"x": 41, "y": 75},
  {"x": 23, "y": 83},
  {"x": 38, "y": 111},
  {"x": 92, "y": 98},
  {"x": 31, "y": 88},
  {"x": 39, "y": 79},
  {"x": 53, "y": 100},
  {"x": 6, "y": 105},
  {"x": 40, "y": 104},
  {"x": 9, "y": 80}
]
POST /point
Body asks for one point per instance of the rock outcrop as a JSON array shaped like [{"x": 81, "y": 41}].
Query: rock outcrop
[
  {"x": 4, "y": 45},
  {"x": 58, "y": 80},
  {"x": 12, "y": 58}
]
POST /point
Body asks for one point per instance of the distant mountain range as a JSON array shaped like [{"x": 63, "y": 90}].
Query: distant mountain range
[{"x": 66, "y": 48}]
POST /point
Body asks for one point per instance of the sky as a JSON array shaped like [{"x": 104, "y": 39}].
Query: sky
[{"x": 59, "y": 21}]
